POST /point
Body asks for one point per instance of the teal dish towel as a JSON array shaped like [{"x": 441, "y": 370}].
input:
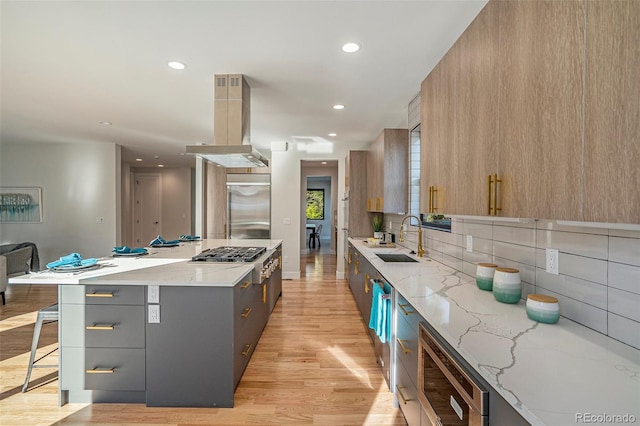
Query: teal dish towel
[{"x": 380, "y": 320}]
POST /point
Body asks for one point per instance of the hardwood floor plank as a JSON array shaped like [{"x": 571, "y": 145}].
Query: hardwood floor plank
[{"x": 314, "y": 365}]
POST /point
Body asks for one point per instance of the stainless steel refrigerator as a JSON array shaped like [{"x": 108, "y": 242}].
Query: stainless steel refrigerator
[{"x": 248, "y": 205}]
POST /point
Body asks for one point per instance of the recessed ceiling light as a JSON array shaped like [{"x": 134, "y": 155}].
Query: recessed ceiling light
[
  {"x": 160, "y": 165},
  {"x": 138, "y": 159},
  {"x": 156, "y": 156},
  {"x": 324, "y": 162},
  {"x": 333, "y": 134},
  {"x": 351, "y": 47},
  {"x": 176, "y": 65},
  {"x": 105, "y": 123},
  {"x": 338, "y": 106}
]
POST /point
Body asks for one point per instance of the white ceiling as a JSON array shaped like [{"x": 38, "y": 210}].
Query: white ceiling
[{"x": 67, "y": 65}]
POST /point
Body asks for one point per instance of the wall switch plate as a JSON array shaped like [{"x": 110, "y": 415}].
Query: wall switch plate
[
  {"x": 470, "y": 243},
  {"x": 154, "y": 314},
  {"x": 100, "y": 220},
  {"x": 286, "y": 221},
  {"x": 153, "y": 294},
  {"x": 552, "y": 263},
  {"x": 390, "y": 225},
  {"x": 285, "y": 259}
]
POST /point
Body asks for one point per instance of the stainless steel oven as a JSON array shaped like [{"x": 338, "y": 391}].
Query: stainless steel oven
[{"x": 448, "y": 393}]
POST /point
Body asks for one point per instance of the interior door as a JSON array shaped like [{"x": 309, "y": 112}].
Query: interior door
[{"x": 147, "y": 223}]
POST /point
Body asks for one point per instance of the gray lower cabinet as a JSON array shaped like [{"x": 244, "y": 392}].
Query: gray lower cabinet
[
  {"x": 407, "y": 395},
  {"x": 194, "y": 357}
]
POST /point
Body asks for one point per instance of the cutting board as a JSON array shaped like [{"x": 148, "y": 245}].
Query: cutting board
[{"x": 385, "y": 245}]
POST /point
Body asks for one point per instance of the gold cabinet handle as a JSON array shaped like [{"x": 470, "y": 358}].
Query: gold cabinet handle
[
  {"x": 357, "y": 268},
  {"x": 264, "y": 293},
  {"x": 99, "y": 370},
  {"x": 489, "y": 181},
  {"x": 404, "y": 311},
  {"x": 349, "y": 258},
  {"x": 404, "y": 400},
  {"x": 246, "y": 312},
  {"x": 369, "y": 204},
  {"x": 434, "y": 202},
  {"x": 495, "y": 194},
  {"x": 99, "y": 294},
  {"x": 100, "y": 327},
  {"x": 247, "y": 348},
  {"x": 430, "y": 199},
  {"x": 245, "y": 285},
  {"x": 280, "y": 262},
  {"x": 404, "y": 348},
  {"x": 366, "y": 283}
]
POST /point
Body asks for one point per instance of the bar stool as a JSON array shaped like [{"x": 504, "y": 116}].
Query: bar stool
[{"x": 49, "y": 314}]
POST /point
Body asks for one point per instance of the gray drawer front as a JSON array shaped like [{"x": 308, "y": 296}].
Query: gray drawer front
[
  {"x": 408, "y": 401},
  {"x": 128, "y": 324},
  {"x": 119, "y": 295},
  {"x": 408, "y": 312},
  {"x": 244, "y": 291},
  {"x": 128, "y": 369},
  {"x": 409, "y": 339}
]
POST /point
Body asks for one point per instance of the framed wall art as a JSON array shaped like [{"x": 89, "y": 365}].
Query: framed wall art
[{"x": 20, "y": 205}]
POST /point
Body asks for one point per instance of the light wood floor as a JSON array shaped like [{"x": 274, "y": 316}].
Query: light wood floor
[{"x": 313, "y": 365}]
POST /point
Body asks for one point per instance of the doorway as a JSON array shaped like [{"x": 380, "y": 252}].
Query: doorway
[{"x": 147, "y": 202}]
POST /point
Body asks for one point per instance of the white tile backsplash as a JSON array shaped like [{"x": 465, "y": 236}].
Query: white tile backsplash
[
  {"x": 588, "y": 245},
  {"x": 624, "y": 277},
  {"x": 624, "y": 330},
  {"x": 624, "y": 303},
  {"x": 624, "y": 250},
  {"x": 599, "y": 281}
]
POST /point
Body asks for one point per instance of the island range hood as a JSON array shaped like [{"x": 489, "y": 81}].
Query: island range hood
[{"x": 231, "y": 126}]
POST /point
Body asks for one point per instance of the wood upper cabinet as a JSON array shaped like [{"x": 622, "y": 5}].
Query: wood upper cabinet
[
  {"x": 438, "y": 146},
  {"x": 387, "y": 178},
  {"x": 356, "y": 169},
  {"x": 475, "y": 56},
  {"x": 612, "y": 112},
  {"x": 541, "y": 62}
]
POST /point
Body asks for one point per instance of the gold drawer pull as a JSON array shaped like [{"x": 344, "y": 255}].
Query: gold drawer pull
[
  {"x": 264, "y": 293},
  {"x": 245, "y": 285},
  {"x": 366, "y": 283},
  {"x": 99, "y": 370},
  {"x": 247, "y": 348},
  {"x": 99, "y": 294},
  {"x": 404, "y": 400},
  {"x": 100, "y": 327},
  {"x": 404, "y": 349},
  {"x": 404, "y": 311},
  {"x": 246, "y": 312}
]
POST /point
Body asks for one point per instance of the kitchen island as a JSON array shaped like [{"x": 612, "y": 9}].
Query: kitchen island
[
  {"x": 161, "y": 329},
  {"x": 550, "y": 374}
]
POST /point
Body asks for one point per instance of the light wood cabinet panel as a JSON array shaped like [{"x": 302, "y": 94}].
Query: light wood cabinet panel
[
  {"x": 612, "y": 112},
  {"x": 540, "y": 108},
  {"x": 428, "y": 140},
  {"x": 387, "y": 178},
  {"x": 476, "y": 124},
  {"x": 356, "y": 164}
]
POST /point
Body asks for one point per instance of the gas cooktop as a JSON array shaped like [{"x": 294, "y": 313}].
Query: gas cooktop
[{"x": 230, "y": 254}]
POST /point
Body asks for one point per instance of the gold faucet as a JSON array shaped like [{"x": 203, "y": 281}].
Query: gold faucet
[{"x": 420, "y": 250}]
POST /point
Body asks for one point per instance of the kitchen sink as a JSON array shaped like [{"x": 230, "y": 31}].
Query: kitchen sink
[{"x": 395, "y": 257}]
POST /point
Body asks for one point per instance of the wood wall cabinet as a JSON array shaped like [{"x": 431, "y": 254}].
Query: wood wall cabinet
[
  {"x": 356, "y": 169},
  {"x": 555, "y": 118},
  {"x": 612, "y": 112},
  {"x": 387, "y": 178},
  {"x": 541, "y": 62}
]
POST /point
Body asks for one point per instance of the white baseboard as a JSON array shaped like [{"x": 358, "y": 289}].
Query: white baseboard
[{"x": 291, "y": 275}]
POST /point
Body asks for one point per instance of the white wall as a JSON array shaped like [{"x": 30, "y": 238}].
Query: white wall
[
  {"x": 286, "y": 200},
  {"x": 79, "y": 182}
]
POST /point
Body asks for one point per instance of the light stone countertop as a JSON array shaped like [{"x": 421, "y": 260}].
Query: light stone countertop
[
  {"x": 548, "y": 372},
  {"x": 162, "y": 266}
]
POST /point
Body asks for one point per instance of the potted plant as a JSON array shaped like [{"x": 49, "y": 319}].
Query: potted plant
[{"x": 376, "y": 222}]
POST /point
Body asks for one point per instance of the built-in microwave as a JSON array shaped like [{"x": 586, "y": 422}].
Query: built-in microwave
[{"x": 449, "y": 395}]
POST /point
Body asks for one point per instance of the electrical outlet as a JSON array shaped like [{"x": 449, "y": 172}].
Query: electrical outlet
[
  {"x": 153, "y": 294},
  {"x": 390, "y": 225},
  {"x": 470, "y": 243},
  {"x": 285, "y": 259},
  {"x": 552, "y": 264},
  {"x": 286, "y": 221},
  {"x": 154, "y": 314},
  {"x": 100, "y": 220}
]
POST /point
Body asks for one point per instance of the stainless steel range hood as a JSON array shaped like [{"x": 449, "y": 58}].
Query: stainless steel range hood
[{"x": 231, "y": 126}]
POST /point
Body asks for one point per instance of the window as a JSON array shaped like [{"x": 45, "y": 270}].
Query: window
[{"x": 315, "y": 204}]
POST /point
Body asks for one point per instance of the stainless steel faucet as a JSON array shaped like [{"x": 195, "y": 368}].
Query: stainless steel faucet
[{"x": 420, "y": 250}]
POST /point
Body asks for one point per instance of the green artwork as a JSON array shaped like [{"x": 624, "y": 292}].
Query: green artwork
[{"x": 315, "y": 204}]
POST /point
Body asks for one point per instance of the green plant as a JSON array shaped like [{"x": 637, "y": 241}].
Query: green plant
[{"x": 376, "y": 222}]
